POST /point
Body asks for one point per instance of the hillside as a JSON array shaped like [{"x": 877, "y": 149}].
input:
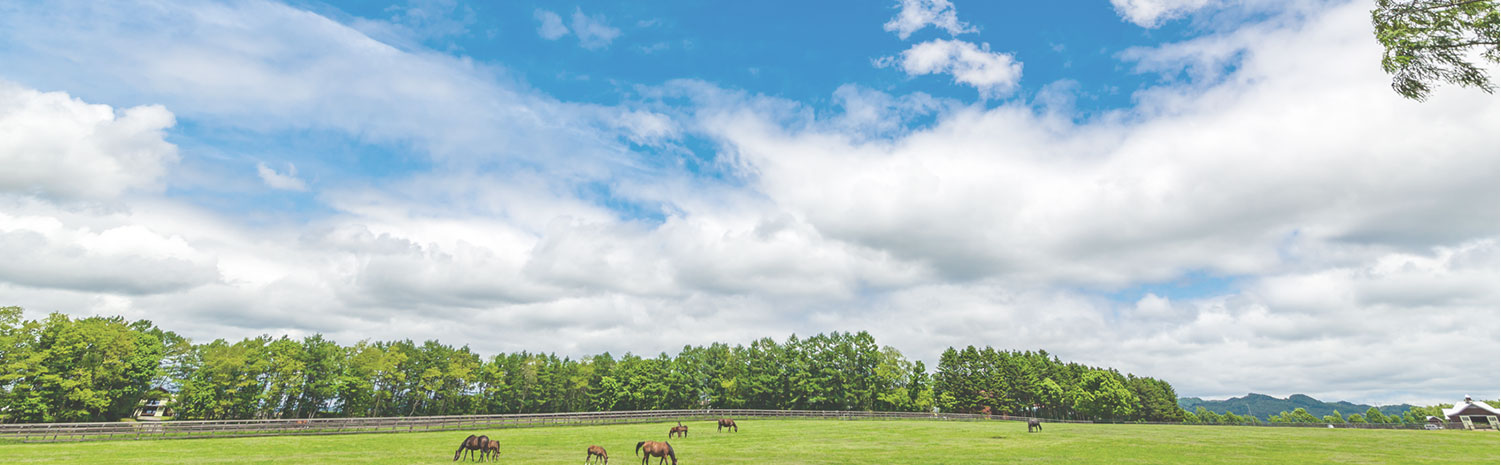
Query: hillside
[{"x": 1262, "y": 405}]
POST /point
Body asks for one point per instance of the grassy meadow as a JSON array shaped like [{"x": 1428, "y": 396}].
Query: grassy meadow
[{"x": 819, "y": 442}]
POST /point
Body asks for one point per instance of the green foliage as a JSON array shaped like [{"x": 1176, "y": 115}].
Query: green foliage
[
  {"x": 61, "y": 369},
  {"x": 1263, "y": 405},
  {"x": 66, "y": 370},
  {"x": 1434, "y": 40}
]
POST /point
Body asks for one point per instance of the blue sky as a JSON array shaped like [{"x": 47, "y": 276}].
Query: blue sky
[{"x": 1203, "y": 191}]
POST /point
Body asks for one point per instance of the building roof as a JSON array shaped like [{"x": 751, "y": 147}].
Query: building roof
[{"x": 1466, "y": 404}]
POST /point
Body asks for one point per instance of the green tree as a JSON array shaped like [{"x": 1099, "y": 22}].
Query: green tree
[
  {"x": 1101, "y": 395},
  {"x": 1190, "y": 418},
  {"x": 1301, "y": 416},
  {"x": 1433, "y": 40}
]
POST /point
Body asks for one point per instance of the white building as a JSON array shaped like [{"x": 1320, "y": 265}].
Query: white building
[{"x": 1477, "y": 413}]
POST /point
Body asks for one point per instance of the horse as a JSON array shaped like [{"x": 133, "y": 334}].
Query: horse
[
  {"x": 1034, "y": 422},
  {"x": 492, "y": 447},
  {"x": 659, "y": 449},
  {"x": 470, "y": 444},
  {"x": 681, "y": 431},
  {"x": 728, "y": 423},
  {"x": 596, "y": 450}
]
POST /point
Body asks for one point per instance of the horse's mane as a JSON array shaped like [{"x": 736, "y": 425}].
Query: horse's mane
[{"x": 669, "y": 452}]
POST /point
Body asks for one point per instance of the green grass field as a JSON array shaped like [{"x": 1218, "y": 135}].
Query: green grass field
[{"x": 821, "y": 442}]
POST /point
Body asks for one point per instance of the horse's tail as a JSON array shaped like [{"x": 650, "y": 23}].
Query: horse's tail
[
  {"x": 638, "y": 447},
  {"x": 670, "y": 454}
]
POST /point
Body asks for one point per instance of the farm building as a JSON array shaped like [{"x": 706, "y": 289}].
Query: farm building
[
  {"x": 154, "y": 405},
  {"x": 1473, "y": 413}
]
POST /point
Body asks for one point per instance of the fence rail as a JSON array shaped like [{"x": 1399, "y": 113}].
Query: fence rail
[{"x": 66, "y": 432}]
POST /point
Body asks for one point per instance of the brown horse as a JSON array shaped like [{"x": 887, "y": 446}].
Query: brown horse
[
  {"x": 491, "y": 447},
  {"x": 470, "y": 445},
  {"x": 728, "y": 423},
  {"x": 681, "y": 431},
  {"x": 1034, "y": 422},
  {"x": 658, "y": 449},
  {"x": 596, "y": 450}
]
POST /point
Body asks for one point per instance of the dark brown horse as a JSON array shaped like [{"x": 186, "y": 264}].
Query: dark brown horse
[
  {"x": 728, "y": 424},
  {"x": 1034, "y": 422},
  {"x": 470, "y": 445},
  {"x": 596, "y": 450},
  {"x": 681, "y": 431},
  {"x": 658, "y": 449},
  {"x": 492, "y": 448}
]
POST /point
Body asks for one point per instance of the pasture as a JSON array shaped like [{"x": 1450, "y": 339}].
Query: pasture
[{"x": 817, "y": 442}]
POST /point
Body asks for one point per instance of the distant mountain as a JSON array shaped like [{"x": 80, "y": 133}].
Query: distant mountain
[{"x": 1263, "y": 406}]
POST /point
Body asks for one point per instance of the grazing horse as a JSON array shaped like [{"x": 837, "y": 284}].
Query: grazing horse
[
  {"x": 1034, "y": 422},
  {"x": 728, "y": 423},
  {"x": 596, "y": 450},
  {"x": 470, "y": 445},
  {"x": 681, "y": 431},
  {"x": 491, "y": 447},
  {"x": 658, "y": 449}
]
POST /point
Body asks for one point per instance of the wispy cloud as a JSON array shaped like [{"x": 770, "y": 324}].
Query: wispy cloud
[
  {"x": 1152, "y": 13},
  {"x": 551, "y": 27},
  {"x": 286, "y": 182},
  {"x": 994, "y": 74},
  {"x": 594, "y": 31},
  {"x": 913, "y": 15}
]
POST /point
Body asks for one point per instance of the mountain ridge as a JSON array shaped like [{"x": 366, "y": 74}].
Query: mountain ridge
[{"x": 1263, "y": 406}]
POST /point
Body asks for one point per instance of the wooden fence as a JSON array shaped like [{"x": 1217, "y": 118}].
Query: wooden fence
[
  {"x": 65, "y": 432},
  {"x": 58, "y": 432}
]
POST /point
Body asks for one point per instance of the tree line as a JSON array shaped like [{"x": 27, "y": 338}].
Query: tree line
[
  {"x": 62, "y": 369},
  {"x": 1413, "y": 415}
]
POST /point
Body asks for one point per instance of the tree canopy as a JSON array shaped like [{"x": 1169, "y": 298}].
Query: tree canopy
[
  {"x": 1436, "y": 40},
  {"x": 61, "y": 369}
]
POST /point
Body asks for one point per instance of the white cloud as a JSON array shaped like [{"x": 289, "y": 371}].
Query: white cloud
[
  {"x": 1360, "y": 229},
  {"x": 434, "y": 104},
  {"x": 45, "y": 252},
  {"x": 994, "y": 74},
  {"x": 1152, "y": 13},
  {"x": 593, "y": 31},
  {"x": 56, "y": 146},
  {"x": 1213, "y": 175},
  {"x": 551, "y": 27},
  {"x": 288, "y": 181},
  {"x": 913, "y": 15}
]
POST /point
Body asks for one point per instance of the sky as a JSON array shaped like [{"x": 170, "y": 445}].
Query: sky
[{"x": 1226, "y": 195}]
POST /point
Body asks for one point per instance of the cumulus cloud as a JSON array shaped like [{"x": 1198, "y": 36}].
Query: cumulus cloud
[
  {"x": 1361, "y": 228},
  {"x": 440, "y": 106},
  {"x": 594, "y": 31},
  {"x": 994, "y": 74},
  {"x": 275, "y": 180},
  {"x": 1152, "y": 13},
  {"x": 43, "y": 251},
  {"x": 913, "y": 15},
  {"x": 56, "y": 146},
  {"x": 551, "y": 27},
  {"x": 1212, "y": 175}
]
